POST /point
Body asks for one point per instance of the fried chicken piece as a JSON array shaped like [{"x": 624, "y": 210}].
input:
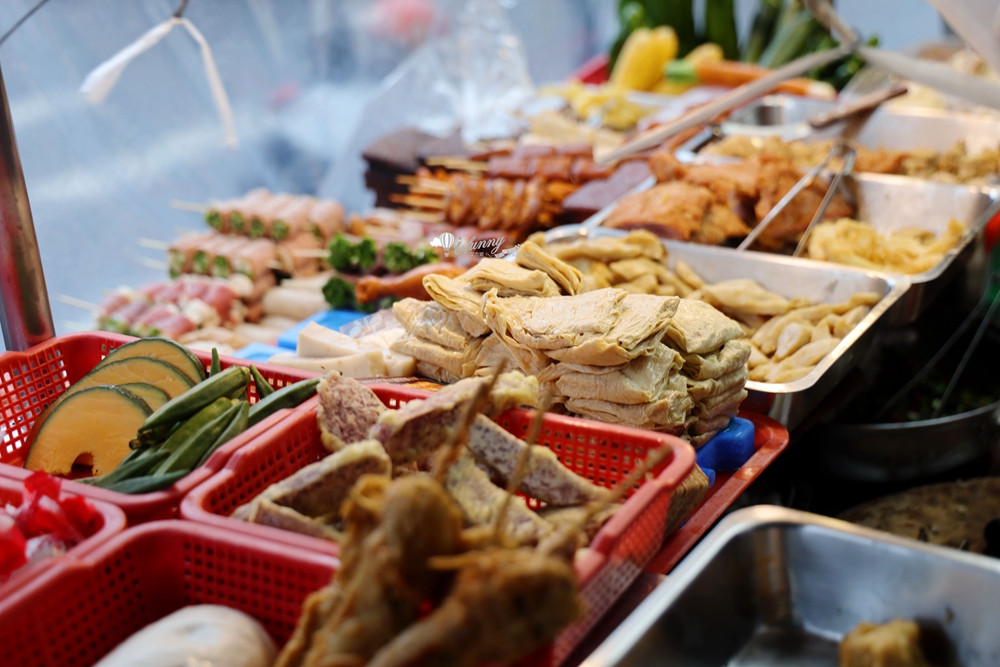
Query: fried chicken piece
[
  {"x": 347, "y": 410},
  {"x": 385, "y": 575},
  {"x": 672, "y": 210},
  {"x": 546, "y": 478},
  {"x": 503, "y": 605},
  {"x": 879, "y": 160},
  {"x": 892, "y": 644},
  {"x": 480, "y": 500},
  {"x": 720, "y": 223},
  {"x": 420, "y": 427},
  {"x": 777, "y": 176}
]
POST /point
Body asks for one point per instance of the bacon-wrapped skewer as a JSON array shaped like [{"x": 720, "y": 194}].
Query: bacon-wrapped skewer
[
  {"x": 295, "y": 257},
  {"x": 263, "y": 217},
  {"x": 226, "y": 216},
  {"x": 225, "y": 253},
  {"x": 256, "y": 258},
  {"x": 181, "y": 253},
  {"x": 326, "y": 219},
  {"x": 293, "y": 218}
]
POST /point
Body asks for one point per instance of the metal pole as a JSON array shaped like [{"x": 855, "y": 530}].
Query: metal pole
[{"x": 25, "y": 315}]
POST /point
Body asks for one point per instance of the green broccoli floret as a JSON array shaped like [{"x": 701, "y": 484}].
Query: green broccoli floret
[
  {"x": 398, "y": 258},
  {"x": 342, "y": 253},
  {"x": 424, "y": 255},
  {"x": 366, "y": 254},
  {"x": 339, "y": 293}
]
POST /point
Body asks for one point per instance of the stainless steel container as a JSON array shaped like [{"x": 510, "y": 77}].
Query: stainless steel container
[
  {"x": 820, "y": 282},
  {"x": 776, "y": 587},
  {"x": 889, "y": 126},
  {"x": 895, "y": 452},
  {"x": 890, "y": 203}
]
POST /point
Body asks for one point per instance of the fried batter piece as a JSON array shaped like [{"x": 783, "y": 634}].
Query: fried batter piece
[
  {"x": 347, "y": 410},
  {"x": 504, "y": 604},
  {"x": 546, "y": 479},
  {"x": 421, "y": 427},
  {"x": 480, "y": 500},
  {"x": 395, "y": 528}
]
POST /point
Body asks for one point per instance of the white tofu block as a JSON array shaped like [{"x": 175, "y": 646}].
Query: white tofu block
[
  {"x": 369, "y": 363},
  {"x": 316, "y": 341},
  {"x": 399, "y": 365}
]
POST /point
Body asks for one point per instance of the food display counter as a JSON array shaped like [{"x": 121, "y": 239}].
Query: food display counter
[{"x": 517, "y": 412}]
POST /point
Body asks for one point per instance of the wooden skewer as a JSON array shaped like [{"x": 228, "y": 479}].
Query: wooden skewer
[
  {"x": 423, "y": 216},
  {"x": 428, "y": 190},
  {"x": 154, "y": 244},
  {"x": 318, "y": 253},
  {"x": 78, "y": 303},
  {"x": 413, "y": 200},
  {"x": 192, "y": 206},
  {"x": 460, "y": 164},
  {"x": 154, "y": 264}
]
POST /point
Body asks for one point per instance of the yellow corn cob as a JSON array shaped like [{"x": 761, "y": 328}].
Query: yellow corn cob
[{"x": 640, "y": 64}]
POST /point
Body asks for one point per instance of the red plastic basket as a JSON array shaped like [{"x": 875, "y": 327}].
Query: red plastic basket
[
  {"x": 112, "y": 522},
  {"x": 770, "y": 439},
  {"x": 80, "y": 610},
  {"x": 605, "y": 454},
  {"x": 30, "y": 381}
]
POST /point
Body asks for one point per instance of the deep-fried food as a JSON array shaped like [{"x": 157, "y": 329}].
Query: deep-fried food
[
  {"x": 347, "y": 410},
  {"x": 904, "y": 251},
  {"x": 395, "y": 528},
  {"x": 488, "y": 616},
  {"x": 480, "y": 500},
  {"x": 421, "y": 427},
  {"x": 546, "y": 478}
]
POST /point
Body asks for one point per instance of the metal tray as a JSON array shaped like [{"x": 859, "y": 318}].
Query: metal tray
[
  {"x": 895, "y": 452},
  {"x": 889, "y": 126},
  {"x": 820, "y": 282},
  {"x": 775, "y": 587},
  {"x": 889, "y": 203}
]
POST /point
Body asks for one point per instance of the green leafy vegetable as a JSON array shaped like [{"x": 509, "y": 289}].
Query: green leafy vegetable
[
  {"x": 424, "y": 255},
  {"x": 366, "y": 254},
  {"x": 341, "y": 253},
  {"x": 398, "y": 258},
  {"x": 339, "y": 293}
]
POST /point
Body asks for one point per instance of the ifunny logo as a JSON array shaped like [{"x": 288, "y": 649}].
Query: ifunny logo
[{"x": 457, "y": 247}]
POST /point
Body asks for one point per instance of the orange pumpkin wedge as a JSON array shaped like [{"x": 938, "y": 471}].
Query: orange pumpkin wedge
[{"x": 94, "y": 424}]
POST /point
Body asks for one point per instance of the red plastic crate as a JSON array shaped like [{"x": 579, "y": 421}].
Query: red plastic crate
[
  {"x": 80, "y": 610},
  {"x": 112, "y": 523},
  {"x": 770, "y": 439},
  {"x": 605, "y": 454},
  {"x": 30, "y": 381}
]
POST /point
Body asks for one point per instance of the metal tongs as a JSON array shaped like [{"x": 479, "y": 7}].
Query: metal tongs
[
  {"x": 840, "y": 149},
  {"x": 987, "y": 304}
]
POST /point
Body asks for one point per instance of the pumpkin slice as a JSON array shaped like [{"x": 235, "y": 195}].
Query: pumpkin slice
[
  {"x": 154, "y": 397},
  {"x": 94, "y": 424},
  {"x": 165, "y": 350},
  {"x": 158, "y": 373}
]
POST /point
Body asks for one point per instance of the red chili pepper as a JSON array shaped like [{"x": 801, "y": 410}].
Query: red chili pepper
[
  {"x": 40, "y": 483},
  {"x": 82, "y": 514},
  {"x": 12, "y": 546}
]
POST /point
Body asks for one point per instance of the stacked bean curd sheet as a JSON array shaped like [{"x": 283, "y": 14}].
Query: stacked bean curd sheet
[
  {"x": 780, "y": 339},
  {"x": 642, "y": 360}
]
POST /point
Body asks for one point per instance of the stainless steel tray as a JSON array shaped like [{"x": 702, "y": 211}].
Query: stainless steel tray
[
  {"x": 894, "y": 452},
  {"x": 888, "y": 126},
  {"x": 775, "y": 587},
  {"x": 820, "y": 282},
  {"x": 889, "y": 203}
]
